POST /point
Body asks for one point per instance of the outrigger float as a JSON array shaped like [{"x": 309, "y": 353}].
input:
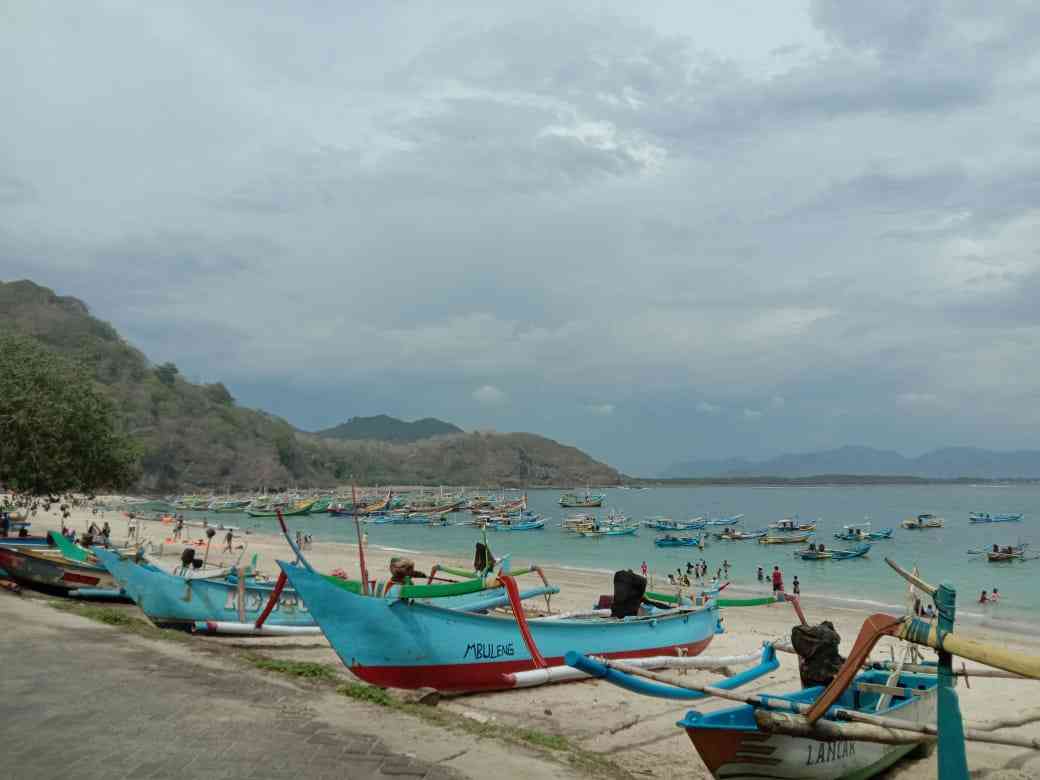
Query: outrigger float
[{"x": 860, "y": 722}]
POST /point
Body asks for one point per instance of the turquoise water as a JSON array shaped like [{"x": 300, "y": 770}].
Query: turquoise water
[{"x": 941, "y": 554}]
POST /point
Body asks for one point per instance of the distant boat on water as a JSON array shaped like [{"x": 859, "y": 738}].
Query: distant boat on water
[
  {"x": 922, "y": 522},
  {"x": 986, "y": 517}
]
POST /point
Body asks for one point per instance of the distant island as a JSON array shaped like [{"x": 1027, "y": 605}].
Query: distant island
[
  {"x": 195, "y": 436},
  {"x": 950, "y": 463},
  {"x": 382, "y": 427}
]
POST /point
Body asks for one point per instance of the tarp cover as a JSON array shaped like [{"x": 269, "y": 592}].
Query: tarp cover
[
  {"x": 818, "y": 657},
  {"x": 629, "y": 588}
]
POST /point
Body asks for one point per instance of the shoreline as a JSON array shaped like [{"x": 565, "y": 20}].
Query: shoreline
[{"x": 863, "y": 605}]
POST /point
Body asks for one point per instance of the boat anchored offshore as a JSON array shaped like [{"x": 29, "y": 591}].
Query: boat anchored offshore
[
  {"x": 986, "y": 517},
  {"x": 823, "y": 553},
  {"x": 862, "y": 532},
  {"x": 922, "y": 522}
]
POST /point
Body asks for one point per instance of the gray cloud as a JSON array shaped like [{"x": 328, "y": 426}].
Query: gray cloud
[{"x": 680, "y": 217}]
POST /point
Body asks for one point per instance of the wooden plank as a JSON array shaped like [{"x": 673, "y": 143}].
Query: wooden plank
[{"x": 888, "y": 690}]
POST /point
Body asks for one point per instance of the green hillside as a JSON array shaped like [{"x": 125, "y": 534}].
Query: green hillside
[
  {"x": 385, "y": 428},
  {"x": 196, "y": 436}
]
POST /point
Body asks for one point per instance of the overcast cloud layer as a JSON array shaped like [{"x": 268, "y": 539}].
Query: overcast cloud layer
[{"x": 699, "y": 232}]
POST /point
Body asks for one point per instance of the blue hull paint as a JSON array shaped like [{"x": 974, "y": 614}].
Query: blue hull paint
[
  {"x": 406, "y": 644},
  {"x": 171, "y": 600}
]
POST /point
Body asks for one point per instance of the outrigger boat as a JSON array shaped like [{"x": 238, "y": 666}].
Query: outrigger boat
[
  {"x": 792, "y": 524},
  {"x": 392, "y": 639},
  {"x": 822, "y": 553},
  {"x": 986, "y": 517},
  {"x": 922, "y": 522},
  {"x": 679, "y": 541},
  {"x": 861, "y": 532},
  {"x": 668, "y": 524},
  {"x": 1000, "y": 554},
  {"x": 731, "y": 520},
  {"x": 44, "y": 567},
  {"x": 600, "y": 530},
  {"x": 854, "y": 725},
  {"x": 733, "y": 535},
  {"x": 574, "y": 501},
  {"x": 786, "y": 539}
]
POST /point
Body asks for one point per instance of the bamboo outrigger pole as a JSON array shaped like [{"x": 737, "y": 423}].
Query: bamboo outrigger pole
[{"x": 360, "y": 545}]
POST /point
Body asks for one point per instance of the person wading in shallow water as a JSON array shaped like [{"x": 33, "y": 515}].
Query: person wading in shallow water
[
  {"x": 778, "y": 580},
  {"x": 796, "y": 586}
]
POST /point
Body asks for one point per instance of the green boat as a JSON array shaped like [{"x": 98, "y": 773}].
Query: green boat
[
  {"x": 321, "y": 505},
  {"x": 300, "y": 508}
]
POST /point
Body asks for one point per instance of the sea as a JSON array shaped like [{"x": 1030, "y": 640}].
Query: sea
[{"x": 866, "y": 583}]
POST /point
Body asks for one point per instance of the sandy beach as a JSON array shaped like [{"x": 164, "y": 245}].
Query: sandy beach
[{"x": 637, "y": 733}]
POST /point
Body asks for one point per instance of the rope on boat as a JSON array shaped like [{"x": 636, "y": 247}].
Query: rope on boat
[{"x": 521, "y": 619}]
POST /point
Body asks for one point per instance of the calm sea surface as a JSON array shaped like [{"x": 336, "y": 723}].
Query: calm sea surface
[{"x": 941, "y": 554}]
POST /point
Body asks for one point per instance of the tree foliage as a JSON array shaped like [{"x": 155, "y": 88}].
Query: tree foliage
[
  {"x": 58, "y": 430},
  {"x": 167, "y": 373}
]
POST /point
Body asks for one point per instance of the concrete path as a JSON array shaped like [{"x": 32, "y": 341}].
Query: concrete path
[{"x": 80, "y": 699}]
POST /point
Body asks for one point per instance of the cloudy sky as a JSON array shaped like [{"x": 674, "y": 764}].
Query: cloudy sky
[{"x": 693, "y": 229}]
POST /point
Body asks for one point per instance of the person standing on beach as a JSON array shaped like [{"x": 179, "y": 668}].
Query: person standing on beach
[
  {"x": 778, "y": 580},
  {"x": 227, "y": 541}
]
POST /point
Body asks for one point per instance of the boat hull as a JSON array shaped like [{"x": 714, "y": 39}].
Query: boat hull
[
  {"x": 171, "y": 600},
  {"x": 732, "y": 746},
  {"x": 404, "y": 644},
  {"x": 38, "y": 568}
]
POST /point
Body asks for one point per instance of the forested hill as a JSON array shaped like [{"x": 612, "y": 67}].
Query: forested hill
[
  {"x": 194, "y": 436},
  {"x": 385, "y": 428}
]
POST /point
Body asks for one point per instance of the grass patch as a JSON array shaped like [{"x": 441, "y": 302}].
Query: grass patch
[
  {"x": 369, "y": 693},
  {"x": 303, "y": 669},
  {"x": 541, "y": 739}
]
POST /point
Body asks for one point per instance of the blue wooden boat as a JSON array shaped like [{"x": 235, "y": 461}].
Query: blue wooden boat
[
  {"x": 168, "y": 599},
  {"x": 401, "y": 643},
  {"x": 519, "y": 525},
  {"x": 830, "y": 554},
  {"x": 667, "y": 524},
  {"x": 608, "y": 530},
  {"x": 862, "y": 532},
  {"x": 678, "y": 541},
  {"x": 986, "y": 517}
]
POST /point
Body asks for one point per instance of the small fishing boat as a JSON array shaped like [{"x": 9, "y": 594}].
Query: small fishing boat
[
  {"x": 518, "y": 525},
  {"x": 575, "y": 523},
  {"x": 822, "y": 553},
  {"x": 986, "y": 517},
  {"x": 668, "y": 540},
  {"x": 731, "y": 520},
  {"x": 668, "y": 524},
  {"x": 300, "y": 508},
  {"x": 792, "y": 524},
  {"x": 862, "y": 532},
  {"x": 174, "y": 600},
  {"x": 922, "y": 522},
  {"x": 401, "y": 643},
  {"x": 39, "y": 566},
  {"x": 733, "y": 535},
  {"x": 605, "y": 530},
  {"x": 574, "y": 501},
  {"x": 1001, "y": 553},
  {"x": 786, "y": 539}
]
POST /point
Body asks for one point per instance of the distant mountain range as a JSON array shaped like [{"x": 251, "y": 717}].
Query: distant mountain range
[
  {"x": 385, "y": 428},
  {"x": 947, "y": 463}
]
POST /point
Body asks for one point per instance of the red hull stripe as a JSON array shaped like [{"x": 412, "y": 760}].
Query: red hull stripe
[
  {"x": 79, "y": 579},
  {"x": 486, "y": 676}
]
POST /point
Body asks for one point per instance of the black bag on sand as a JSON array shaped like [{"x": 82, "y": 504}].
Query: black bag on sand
[
  {"x": 818, "y": 656},
  {"x": 629, "y": 588}
]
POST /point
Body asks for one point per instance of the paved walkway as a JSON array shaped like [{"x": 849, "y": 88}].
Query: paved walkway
[{"x": 80, "y": 699}]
